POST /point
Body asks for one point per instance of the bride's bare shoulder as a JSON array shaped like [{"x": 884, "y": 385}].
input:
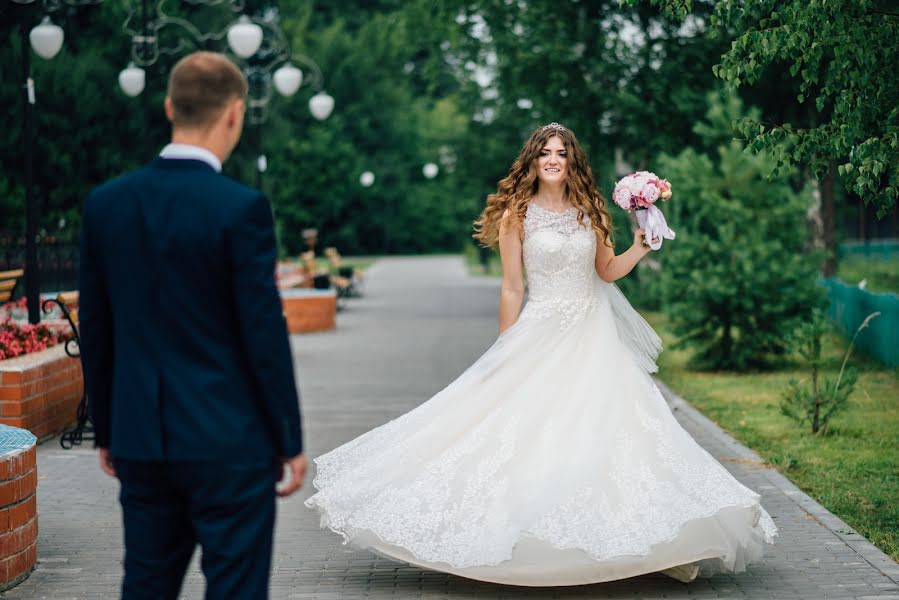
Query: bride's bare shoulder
[{"x": 510, "y": 224}]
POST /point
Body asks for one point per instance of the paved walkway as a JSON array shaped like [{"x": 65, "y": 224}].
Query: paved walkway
[{"x": 422, "y": 322}]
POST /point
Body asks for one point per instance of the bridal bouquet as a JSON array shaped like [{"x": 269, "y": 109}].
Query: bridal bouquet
[{"x": 639, "y": 192}]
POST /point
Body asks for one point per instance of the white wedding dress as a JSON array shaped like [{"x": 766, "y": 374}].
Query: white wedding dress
[{"x": 553, "y": 460}]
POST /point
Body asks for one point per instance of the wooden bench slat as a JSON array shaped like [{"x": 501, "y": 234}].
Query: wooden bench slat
[
  {"x": 14, "y": 274},
  {"x": 8, "y": 282},
  {"x": 67, "y": 297}
]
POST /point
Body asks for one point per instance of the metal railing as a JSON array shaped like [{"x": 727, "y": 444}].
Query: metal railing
[
  {"x": 850, "y": 305},
  {"x": 57, "y": 264}
]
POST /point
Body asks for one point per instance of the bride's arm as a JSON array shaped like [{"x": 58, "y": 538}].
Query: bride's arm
[
  {"x": 610, "y": 267},
  {"x": 511, "y": 293}
]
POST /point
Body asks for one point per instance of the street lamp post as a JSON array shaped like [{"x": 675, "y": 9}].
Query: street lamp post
[
  {"x": 274, "y": 51},
  {"x": 46, "y": 40},
  {"x": 32, "y": 280},
  {"x": 260, "y": 46}
]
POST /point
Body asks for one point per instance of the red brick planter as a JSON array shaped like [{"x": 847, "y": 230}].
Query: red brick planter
[
  {"x": 18, "y": 508},
  {"x": 40, "y": 391},
  {"x": 308, "y": 310}
]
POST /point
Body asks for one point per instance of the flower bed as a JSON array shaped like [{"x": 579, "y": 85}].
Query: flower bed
[
  {"x": 40, "y": 385},
  {"x": 40, "y": 391},
  {"x": 308, "y": 310},
  {"x": 18, "y": 337}
]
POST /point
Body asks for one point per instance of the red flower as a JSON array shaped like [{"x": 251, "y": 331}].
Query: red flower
[{"x": 18, "y": 338}]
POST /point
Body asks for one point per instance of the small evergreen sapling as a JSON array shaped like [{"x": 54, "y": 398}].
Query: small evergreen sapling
[{"x": 817, "y": 400}]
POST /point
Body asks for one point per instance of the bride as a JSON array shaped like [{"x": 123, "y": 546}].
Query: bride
[{"x": 553, "y": 460}]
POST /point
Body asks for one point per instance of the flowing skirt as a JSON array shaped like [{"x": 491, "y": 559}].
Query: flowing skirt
[{"x": 553, "y": 460}]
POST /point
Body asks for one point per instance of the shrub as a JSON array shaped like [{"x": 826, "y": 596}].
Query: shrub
[
  {"x": 736, "y": 278},
  {"x": 813, "y": 400}
]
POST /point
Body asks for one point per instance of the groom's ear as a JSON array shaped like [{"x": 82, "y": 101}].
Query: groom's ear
[
  {"x": 236, "y": 112},
  {"x": 169, "y": 110}
]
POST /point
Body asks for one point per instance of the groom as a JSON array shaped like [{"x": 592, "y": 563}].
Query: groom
[{"x": 186, "y": 358}]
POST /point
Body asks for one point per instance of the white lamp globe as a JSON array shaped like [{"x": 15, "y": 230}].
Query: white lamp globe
[
  {"x": 430, "y": 170},
  {"x": 321, "y": 105},
  {"x": 245, "y": 37},
  {"x": 367, "y": 179},
  {"x": 132, "y": 80},
  {"x": 46, "y": 39},
  {"x": 288, "y": 80}
]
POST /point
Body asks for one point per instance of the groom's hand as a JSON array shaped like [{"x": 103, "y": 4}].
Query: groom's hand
[
  {"x": 106, "y": 462},
  {"x": 297, "y": 467}
]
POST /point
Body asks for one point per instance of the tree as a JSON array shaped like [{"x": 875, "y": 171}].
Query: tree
[
  {"x": 628, "y": 80},
  {"x": 390, "y": 119},
  {"x": 736, "y": 279},
  {"x": 842, "y": 54},
  {"x": 817, "y": 400},
  {"x": 396, "y": 110},
  {"x": 620, "y": 77}
]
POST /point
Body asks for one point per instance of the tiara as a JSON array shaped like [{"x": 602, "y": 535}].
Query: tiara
[{"x": 552, "y": 125}]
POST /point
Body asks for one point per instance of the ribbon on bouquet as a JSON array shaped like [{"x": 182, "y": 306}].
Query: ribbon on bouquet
[{"x": 652, "y": 221}]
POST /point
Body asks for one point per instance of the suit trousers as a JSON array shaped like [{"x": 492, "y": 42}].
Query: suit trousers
[{"x": 228, "y": 508}]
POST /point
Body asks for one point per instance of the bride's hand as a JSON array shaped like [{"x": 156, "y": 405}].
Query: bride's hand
[{"x": 640, "y": 239}]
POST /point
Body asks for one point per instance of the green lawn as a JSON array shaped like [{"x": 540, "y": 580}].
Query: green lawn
[
  {"x": 853, "y": 471},
  {"x": 882, "y": 274},
  {"x": 359, "y": 263},
  {"x": 473, "y": 259}
]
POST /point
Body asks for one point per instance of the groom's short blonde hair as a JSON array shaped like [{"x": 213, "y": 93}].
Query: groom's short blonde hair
[{"x": 200, "y": 87}]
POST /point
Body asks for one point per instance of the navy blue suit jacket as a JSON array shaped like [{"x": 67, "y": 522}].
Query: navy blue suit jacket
[{"x": 183, "y": 341}]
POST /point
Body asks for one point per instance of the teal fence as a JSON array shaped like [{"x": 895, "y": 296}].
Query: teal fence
[
  {"x": 884, "y": 248},
  {"x": 849, "y": 305}
]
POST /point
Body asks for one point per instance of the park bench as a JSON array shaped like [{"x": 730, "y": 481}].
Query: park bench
[
  {"x": 315, "y": 277},
  {"x": 346, "y": 279},
  {"x": 68, "y": 305},
  {"x": 290, "y": 276},
  {"x": 8, "y": 282}
]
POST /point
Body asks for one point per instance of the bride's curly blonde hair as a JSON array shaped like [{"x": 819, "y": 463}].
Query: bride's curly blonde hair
[{"x": 518, "y": 187}]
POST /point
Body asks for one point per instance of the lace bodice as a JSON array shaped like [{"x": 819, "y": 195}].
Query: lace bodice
[{"x": 559, "y": 261}]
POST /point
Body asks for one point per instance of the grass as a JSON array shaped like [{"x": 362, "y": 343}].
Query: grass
[
  {"x": 852, "y": 471},
  {"x": 882, "y": 274},
  {"x": 359, "y": 263},
  {"x": 475, "y": 267}
]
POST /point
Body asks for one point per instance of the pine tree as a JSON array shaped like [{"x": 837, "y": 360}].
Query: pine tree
[{"x": 736, "y": 279}]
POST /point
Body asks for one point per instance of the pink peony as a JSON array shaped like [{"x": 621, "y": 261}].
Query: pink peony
[
  {"x": 640, "y": 190},
  {"x": 635, "y": 183},
  {"x": 622, "y": 197},
  {"x": 649, "y": 193}
]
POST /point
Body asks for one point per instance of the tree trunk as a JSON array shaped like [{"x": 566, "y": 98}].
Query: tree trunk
[
  {"x": 813, "y": 216},
  {"x": 829, "y": 268}
]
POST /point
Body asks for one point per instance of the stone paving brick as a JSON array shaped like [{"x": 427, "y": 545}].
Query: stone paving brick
[{"x": 422, "y": 322}]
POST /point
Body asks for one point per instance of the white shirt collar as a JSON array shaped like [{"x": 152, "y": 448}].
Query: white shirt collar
[{"x": 189, "y": 151}]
